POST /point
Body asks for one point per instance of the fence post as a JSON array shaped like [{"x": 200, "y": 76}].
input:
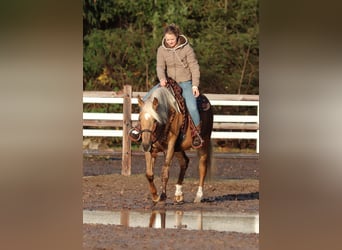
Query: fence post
[{"x": 127, "y": 124}]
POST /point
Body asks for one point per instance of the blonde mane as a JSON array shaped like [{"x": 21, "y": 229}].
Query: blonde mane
[{"x": 165, "y": 101}]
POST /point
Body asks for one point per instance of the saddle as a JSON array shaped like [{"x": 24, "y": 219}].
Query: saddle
[
  {"x": 202, "y": 105},
  {"x": 159, "y": 136},
  {"x": 176, "y": 90}
]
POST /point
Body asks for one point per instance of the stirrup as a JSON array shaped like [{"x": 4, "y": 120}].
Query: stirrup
[
  {"x": 134, "y": 134},
  {"x": 197, "y": 141}
]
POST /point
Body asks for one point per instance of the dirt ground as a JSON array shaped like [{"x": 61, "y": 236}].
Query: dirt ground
[{"x": 232, "y": 187}]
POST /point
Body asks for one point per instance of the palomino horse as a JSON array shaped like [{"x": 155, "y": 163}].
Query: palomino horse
[{"x": 163, "y": 130}]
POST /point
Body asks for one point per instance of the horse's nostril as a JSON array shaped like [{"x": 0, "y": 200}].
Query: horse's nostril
[{"x": 146, "y": 147}]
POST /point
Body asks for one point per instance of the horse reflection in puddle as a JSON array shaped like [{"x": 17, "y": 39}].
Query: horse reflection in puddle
[
  {"x": 158, "y": 220},
  {"x": 187, "y": 220}
]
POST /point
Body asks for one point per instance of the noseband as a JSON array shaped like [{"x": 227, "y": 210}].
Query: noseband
[
  {"x": 153, "y": 132},
  {"x": 146, "y": 130}
]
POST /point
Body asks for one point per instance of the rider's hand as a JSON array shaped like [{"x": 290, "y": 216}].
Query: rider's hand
[
  {"x": 163, "y": 82},
  {"x": 195, "y": 91}
]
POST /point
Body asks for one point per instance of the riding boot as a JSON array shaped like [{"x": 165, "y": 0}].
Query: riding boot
[
  {"x": 197, "y": 141},
  {"x": 134, "y": 133}
]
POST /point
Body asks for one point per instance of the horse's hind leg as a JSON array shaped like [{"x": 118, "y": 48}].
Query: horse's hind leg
[
  {"x": 203, "y": 163},
  {"x": 150, "y": 177},
  {"x": 183, "y": 164}
]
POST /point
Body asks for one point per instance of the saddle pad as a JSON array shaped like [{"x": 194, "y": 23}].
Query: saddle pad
[{"x": 203, "y": 103}]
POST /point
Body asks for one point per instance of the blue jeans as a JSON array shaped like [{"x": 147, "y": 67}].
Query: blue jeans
[{"x": 190, "y": 100}]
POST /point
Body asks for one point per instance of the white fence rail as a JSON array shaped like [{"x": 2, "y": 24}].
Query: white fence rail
[{"x": 248, "y": 123}]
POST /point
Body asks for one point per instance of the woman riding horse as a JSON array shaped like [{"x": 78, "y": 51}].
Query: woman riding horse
[{"x": 177, "y": 60}]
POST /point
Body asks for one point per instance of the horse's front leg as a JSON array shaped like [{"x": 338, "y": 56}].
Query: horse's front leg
[
  {"x": 166, "y": 167},
  {"x": 150, "y": 176},
  {"x": 183, "y": 164}
]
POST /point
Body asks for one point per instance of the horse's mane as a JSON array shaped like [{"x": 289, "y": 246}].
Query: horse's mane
[{"x": 165, "y": 101}]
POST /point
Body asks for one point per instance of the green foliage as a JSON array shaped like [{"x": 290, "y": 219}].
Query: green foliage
[
  {"x": 111, "y": 56},
  {"x": 121, "y": 38}
]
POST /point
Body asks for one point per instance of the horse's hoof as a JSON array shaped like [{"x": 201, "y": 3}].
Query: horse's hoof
[
  {"x": 179, "y": 199},
  {"x": 162, "y": 197},
  {"x": 198, "y": 199},
  {"x": 155, "y": 199}
]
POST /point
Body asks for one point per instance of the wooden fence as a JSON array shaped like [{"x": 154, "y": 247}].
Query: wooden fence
[{"x": 224, "y": 125}]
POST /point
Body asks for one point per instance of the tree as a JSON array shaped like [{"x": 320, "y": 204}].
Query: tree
[{"x": 121, "y": 38}]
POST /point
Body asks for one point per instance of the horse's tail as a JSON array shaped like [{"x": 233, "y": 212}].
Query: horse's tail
[
  {"x": 207, "y": 118},
  {"x": 210, "y": 169}
]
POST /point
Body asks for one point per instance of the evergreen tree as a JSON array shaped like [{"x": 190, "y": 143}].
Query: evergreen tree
[{"x": 121, "y": 38}]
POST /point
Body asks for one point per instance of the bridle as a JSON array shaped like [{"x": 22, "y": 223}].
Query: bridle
[
  {"x": 146, "y": 130},
  {"x": 153, "y": 132}
]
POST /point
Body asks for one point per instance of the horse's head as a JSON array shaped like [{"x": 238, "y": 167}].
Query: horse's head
[{"x": 147, "y": 122}]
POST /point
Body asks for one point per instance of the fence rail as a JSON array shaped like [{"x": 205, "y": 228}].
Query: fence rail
[{"x": 248, "y": 125}]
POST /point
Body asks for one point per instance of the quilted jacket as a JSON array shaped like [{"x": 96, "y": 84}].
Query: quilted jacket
[{"x": 179, "y": 63}]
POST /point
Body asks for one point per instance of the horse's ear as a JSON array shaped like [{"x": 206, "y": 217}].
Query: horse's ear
[
  {"x": 140, "y": 101},
  {"x": 155, "y": 103}
]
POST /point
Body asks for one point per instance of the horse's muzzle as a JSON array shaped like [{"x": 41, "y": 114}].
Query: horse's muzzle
[
  {"x": 146, "y": 143},
  {"x": 146, "y": 147}
]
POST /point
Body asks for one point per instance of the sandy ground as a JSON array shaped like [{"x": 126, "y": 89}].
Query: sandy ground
[{"x": 233, "y": 187}]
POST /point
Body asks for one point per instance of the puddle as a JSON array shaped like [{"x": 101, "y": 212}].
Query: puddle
[{"x": 188, "y": 220}]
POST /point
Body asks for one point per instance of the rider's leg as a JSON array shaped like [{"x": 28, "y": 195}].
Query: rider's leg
[{"x": 191, "y": 104}]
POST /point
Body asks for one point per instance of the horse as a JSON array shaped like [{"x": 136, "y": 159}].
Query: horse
[{"x": 164, "y": 129}]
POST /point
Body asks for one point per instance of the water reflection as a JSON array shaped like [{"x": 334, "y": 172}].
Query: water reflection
[{"x": 189, "y": 220}]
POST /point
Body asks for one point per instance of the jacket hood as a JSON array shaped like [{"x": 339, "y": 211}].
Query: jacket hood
[{"x": 182, "y": 41}]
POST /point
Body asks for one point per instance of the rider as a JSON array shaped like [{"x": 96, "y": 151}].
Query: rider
[{"x": 176, "y": 59}]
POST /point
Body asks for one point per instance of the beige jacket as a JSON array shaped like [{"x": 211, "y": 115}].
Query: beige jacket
[{"x": 179, "y": 63}]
